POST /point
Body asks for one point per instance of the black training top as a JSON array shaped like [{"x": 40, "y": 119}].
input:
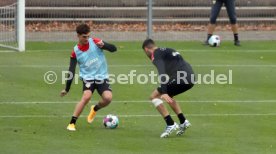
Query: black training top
[{"x": 169, "y": 62}]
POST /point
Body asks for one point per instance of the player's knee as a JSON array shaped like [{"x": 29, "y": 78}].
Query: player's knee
[
  {"x": 151, "y": 97},
  {"x": 107, "y": 96},
  {"x": 156, "y": 101},
  {"x": 107, "y": 99},
  {"x": 86, "y": 98},
  {"x": 154, "y": 95}
]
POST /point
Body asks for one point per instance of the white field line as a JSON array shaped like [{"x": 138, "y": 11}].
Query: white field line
[
  {"x": 181, "y": 50},
  {"x": 142, "y": 115},
  {"x": 145, "y": 101},
  {"x": 8, "y": 51},
  {"x": 115, "y": 66}
]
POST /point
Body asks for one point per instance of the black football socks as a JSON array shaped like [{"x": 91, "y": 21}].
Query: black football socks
[
  {"x": 181, "y": 118},
  {"x": 96, "y": 108},
  {"x": 73, "y": 120},
  {"x": 169, "y": 120}
]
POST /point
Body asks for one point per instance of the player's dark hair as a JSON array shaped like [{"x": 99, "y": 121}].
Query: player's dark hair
[
  {"x": 82, "y": 29},
  {"x": 149, "y": 43}
]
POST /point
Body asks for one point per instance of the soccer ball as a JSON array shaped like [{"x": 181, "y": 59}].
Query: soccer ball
[
  {"x": 214, "y": 41},
  {"x": 110, "y": 121}
]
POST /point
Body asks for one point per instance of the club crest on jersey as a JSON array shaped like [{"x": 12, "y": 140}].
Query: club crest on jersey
[{"x": 88, "y": 85}]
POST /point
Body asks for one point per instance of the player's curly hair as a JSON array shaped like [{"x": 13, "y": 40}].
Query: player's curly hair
[{"x": 82, "y": 29}]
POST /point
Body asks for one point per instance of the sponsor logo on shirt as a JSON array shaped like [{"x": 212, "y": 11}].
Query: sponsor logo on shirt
[{"x": 91, "y": 62}]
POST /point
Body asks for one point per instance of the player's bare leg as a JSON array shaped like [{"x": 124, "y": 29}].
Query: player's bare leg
[
  {"x": 158, "y": 103},
  {"x": 105, "y": 100},
  {"x": 234, "y": 28},
  {"x": 84, "y": 100},
  {"x": 211, "y": 28},
  {"x": 184, "y": 123},
  {"x": 176, "y": 108},
  {"x": 160, "y": 108},
  {"x": 210, "y": 31},
  {"x": 79, "y": 108}
]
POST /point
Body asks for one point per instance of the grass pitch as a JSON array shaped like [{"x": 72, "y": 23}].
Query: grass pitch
[{"x": 237, "y": 118}]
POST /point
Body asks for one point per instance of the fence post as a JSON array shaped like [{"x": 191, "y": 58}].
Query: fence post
[{"x": 149, "y": 20}]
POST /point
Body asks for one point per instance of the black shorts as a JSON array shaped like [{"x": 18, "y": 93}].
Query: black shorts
[
  {"x": 230, "y": 8},
  {"x": 100, "y": 85},
  {"x": 173, "y": 88}
]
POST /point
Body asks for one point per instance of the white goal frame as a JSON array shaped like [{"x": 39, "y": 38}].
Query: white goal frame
[{"x": 19, "y": 27}]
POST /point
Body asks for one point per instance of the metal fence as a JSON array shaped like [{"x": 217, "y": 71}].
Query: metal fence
[
  {"x": 124, "y": 20},
  {"x": 188, "y": 20}
]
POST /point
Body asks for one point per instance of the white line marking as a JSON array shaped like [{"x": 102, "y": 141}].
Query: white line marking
[
  {"x": 145, "y": 101},
  {"x": 140, "y": 115},
  {"x": 181, "y": 50},
  {"x": 221, "y": 50},
  {"x": 7, "y": 51},
  {"x": 115, "y": 66},
  {"x": 202, "y": 65}
]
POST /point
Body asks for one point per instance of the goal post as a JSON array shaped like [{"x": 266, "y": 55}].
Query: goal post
[
  {"x": 21, "y": 25},
  {"x": 12, "y": 26}
]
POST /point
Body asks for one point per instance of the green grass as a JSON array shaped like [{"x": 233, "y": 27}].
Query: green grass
[{"x": 237, "y": 118}]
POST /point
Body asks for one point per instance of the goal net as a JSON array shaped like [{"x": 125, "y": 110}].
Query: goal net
[{"x": 12, "y": 25}]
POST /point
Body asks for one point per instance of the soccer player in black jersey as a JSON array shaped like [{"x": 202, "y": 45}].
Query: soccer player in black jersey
[{"x": 176, "y": 76}]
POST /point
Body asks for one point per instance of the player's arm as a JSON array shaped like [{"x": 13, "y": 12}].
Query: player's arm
[
  {"x": 160, "y": 65},
  {"x": 109, "y": 47},
  {"x": 72, "y": 69},
  {"x": 104, "y": 45},
  {"x": 162, "y": 74}
]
